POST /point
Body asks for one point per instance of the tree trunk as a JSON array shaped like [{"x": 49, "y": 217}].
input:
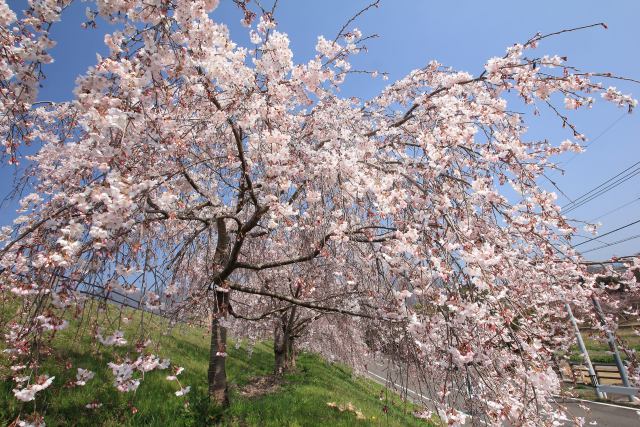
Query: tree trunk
[
  {"x": 279, "y": 348},
  {"x": 218, "y": 390},
  {"x": 291, "y": 354},
  {"x": 283, "y": 343}
]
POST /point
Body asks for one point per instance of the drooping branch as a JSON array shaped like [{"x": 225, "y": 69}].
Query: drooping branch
[
  {"x": 303, "y": 258},
  {"x": 301, "y": 303}
]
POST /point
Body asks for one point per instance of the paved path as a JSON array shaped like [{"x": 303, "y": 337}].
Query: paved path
[{"x": 605, "y": 414}]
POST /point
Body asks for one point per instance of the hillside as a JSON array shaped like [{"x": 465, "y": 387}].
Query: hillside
[
  {"x": 317, "y": 394},
  {"x": 599, "y": 349}
]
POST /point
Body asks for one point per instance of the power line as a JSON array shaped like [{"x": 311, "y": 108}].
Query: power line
[
  {"x": 606, "y": 234},
  {"x": 628, "y": 170},
  {"x": 607, "y": 129},
  {"x": 603, "y": 188},
  {"x": 558, "y": 188},
  {"x": 606, "y": 189},
  {"x": 611, "y": 244},
  {"x": 616, "y": 209}
]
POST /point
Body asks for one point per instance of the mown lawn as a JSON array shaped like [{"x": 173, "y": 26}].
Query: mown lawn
[{"x": 300, "y": 400}]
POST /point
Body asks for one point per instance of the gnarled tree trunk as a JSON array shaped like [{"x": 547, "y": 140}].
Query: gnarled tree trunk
[
  {"x": 290, "y": 355},
  {"x": 279, "y": 348},
  {"x": 218, "y": 390},
  {"x": 283, "y": 342}
]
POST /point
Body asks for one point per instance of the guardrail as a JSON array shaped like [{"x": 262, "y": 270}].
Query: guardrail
[
  {"x": 607, "y": 374},
  {"x": 616, "y": 389},
  {"x": 101, "y": 292},
  {"x": 607, "y": 381}
]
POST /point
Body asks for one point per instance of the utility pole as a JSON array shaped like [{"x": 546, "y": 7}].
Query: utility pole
[
  {"x": 612, "y": 344},
  {"x": 585, "y": 354}
]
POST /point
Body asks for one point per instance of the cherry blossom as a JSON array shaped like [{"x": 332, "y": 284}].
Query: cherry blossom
[
  {"x": 183, "y": 391},
  {"x": 206, "y": 178},
  {"x": 174, "y": 377},
  {"x": 83, "y": 376},
  {"x": 123, "y": 373},
  {"x": 93, "y": 405},
  {"x": 117, "y": 339},
  {"x": 28, "y": 393}
]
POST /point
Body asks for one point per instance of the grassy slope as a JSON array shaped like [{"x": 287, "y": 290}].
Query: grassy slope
[
  {"x": 598, "y": 353},
  {"x": 300, "y": 401},
  {"x": 599, "y": 349}
]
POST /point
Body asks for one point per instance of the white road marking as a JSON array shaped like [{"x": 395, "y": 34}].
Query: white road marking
[
  {"x": 407, "y": 389},
  {"x": 557, "y": 397},
  {"x": 415, "y": 393},
  {"x": 597, "y": 403}
]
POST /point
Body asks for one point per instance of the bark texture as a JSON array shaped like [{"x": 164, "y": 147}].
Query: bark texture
[
  {"x": 284, "y": 342},
  {"x": 217, "y": 378},
  {"x": 218, "y": 389}
]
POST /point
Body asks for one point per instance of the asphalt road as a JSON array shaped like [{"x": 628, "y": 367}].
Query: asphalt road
[
  {"x": 604, "y": 414},
  {"x": 600, "y": 414}
]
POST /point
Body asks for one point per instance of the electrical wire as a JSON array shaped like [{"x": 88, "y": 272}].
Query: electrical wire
[
  {"x": 607, "y": 129},
  {"x": 558, "y": 188},
  {"x": 611, "y": 244},
  {"x": 625, "y": 172},
  {"x": 603, "y": 188},
  {"x": 637, "y": 199},
  {"x": 606, "y": 234}
]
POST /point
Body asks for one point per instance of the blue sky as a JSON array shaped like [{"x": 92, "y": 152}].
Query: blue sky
[{"x": 462, "y": 34}]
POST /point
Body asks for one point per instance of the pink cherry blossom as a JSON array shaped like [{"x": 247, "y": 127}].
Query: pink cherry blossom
[{"x": 28, "y": 393}]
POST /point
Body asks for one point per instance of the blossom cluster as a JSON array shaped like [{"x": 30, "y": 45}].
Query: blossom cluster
[{"x": 189, "y": 173}]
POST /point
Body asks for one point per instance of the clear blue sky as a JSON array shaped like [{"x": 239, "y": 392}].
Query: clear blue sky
[{"x": 462, "y": 34}]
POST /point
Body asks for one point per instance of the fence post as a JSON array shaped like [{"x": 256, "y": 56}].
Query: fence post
[
  {"x": 585, "y": 354},
  {"x": 612, "y": 344}
]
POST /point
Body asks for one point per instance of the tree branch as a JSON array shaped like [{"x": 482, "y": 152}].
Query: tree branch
[{"x": 248, "y": 290}]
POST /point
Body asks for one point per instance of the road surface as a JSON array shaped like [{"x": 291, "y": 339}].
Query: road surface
[{"x": 604, "y": 414}]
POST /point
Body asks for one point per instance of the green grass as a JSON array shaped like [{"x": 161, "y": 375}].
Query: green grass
[
  {"x": 301, "y": 399},
  {"x": 598, "y": 347},
  {"x": 581, "y": 391}
]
